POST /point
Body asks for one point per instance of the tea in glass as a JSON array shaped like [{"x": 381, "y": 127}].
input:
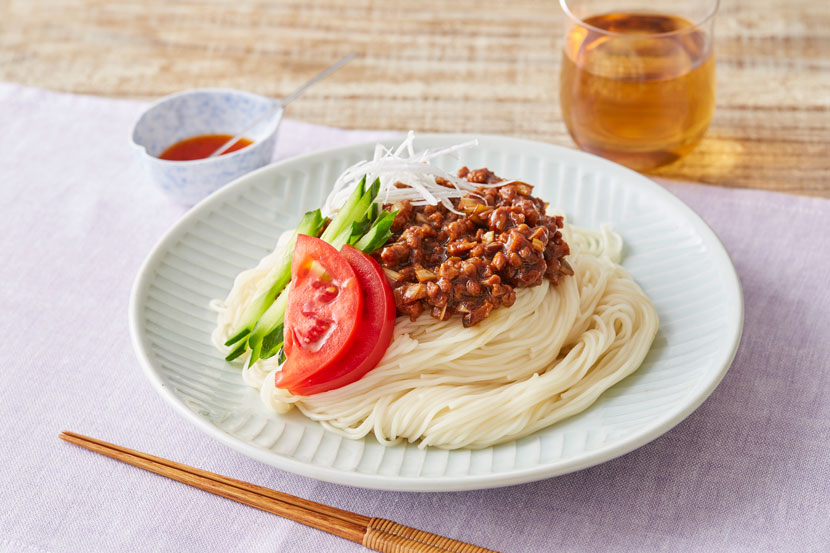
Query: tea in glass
[{"x": 637, "y": 87}]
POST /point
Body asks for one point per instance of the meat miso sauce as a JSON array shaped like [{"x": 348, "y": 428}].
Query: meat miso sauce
[{"x": 445, "y": 263}]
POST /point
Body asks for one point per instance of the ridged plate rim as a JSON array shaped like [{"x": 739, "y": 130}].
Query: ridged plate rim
[{"x": 722, "y": 360}]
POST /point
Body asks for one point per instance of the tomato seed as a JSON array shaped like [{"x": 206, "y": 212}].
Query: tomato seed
[{"x": 328, "y": 294}]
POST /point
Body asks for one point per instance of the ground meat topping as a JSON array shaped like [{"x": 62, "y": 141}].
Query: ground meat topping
[{"x": 445, "y": 263}]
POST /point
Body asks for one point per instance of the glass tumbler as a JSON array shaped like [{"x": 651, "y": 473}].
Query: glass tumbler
[{"x": 637, "y": 83}]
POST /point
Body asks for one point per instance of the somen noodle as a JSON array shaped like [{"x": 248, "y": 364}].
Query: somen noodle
[{"x": 546, "y": 358}]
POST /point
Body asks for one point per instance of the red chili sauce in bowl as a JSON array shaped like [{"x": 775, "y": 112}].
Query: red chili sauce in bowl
[{"x": 201, "y": 146}]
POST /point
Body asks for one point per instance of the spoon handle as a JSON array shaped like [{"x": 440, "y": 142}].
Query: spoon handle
[{"x": 285, "y": 101}]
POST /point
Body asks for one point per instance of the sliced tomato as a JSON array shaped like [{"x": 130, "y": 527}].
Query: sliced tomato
[
  {"x": 375, "y": 327},
  {"x": 324, "y": 307}
]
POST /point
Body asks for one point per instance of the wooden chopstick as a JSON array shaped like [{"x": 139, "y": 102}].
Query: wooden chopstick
[{"x": 375, "y": 533}]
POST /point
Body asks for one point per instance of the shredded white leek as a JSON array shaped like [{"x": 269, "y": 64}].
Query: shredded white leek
[{"x": 404, "y": 165}]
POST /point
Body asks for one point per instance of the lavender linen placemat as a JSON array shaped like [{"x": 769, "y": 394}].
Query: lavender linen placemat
[{"x": 748, "y": 471}]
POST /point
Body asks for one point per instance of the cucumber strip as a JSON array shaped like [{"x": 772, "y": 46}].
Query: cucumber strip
[
  {"x": 355, "y": 219},
  {"x": 378, "y": 234},
  {"x": 238, "y": 336},
  {"x": 341, "y": 238},
  {"x": 240, "y": 349},
  {"x": 268, "y": 354},
  {"x": 375, "y": 189},
  {"x": 352, "y": 233},
  {"x": 310, "y": 224},
  {"x": 272, "y": 342},
  {"x": 345, "y": 216},
  {"x": 360, "y": 228},
  {"x": 267, "y": 324}
]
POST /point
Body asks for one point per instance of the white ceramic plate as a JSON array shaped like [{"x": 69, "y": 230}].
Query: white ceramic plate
[{"x": 670, "y": 251}]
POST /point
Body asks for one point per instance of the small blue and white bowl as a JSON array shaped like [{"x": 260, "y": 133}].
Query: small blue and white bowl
[{"x": 198, "y": 112}]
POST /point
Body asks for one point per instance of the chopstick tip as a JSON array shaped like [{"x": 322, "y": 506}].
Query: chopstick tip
[{"x": 68, "y": 435}]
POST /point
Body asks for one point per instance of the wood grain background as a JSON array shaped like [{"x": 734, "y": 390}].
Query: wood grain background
[{"x": 435, "y": 65}]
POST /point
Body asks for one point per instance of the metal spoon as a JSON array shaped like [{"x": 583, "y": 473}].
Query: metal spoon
[{"x": 284, "y": 102}]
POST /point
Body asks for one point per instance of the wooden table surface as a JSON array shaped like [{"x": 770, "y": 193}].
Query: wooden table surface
[{"x": 433, "y": 65}]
